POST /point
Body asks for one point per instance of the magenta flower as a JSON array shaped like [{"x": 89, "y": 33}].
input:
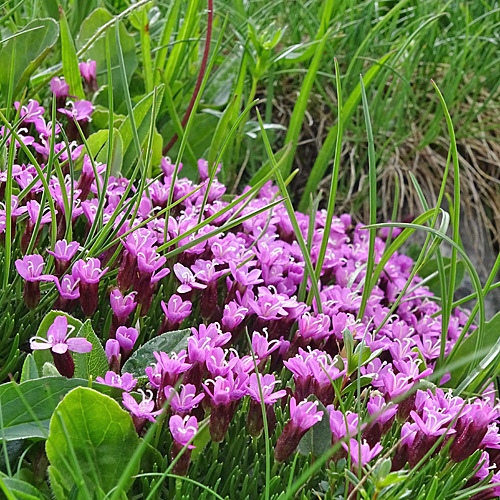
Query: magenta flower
[
  {"x": 126, "y": 338},
  {"x": 316, "y": 327},
  {"x": 268, "y": 306},
  {"x": 176, "y": 311},
  {"x": 245, "y": 277},
  {"x": 89, "y": 273},
  {"x": 59, "y": 87},
  {"x": 471, "y": 430},
  {"x": 167, "y": 372},
  {"x": 63, "y": 253},
  {"x": 122, "y": 305},
  {"x": 363, "y": 451},
  {"x": 184, "y": 401},
  {"x": 126, "y": 381},
  {"x": 204, "y": 171},
  {"x": 69, "y": 292},
  {"x": 68, "y": 287},
  {"x": 59, "y": 342},
  {"x": 141, "y": 412},
  {"x": 384, "y": 414},
  {"x": 233, "y": 316},
  {"x": 30, "y": 267},
  {"x": 187, "y": 279},
  {"x": 302, "y": 417},
  {"x": 80, "y": 110},
  {"x": 183, "y": 429},
  {"x": 267, "y": 383},
  {"x": 112, "y": 350},
  {"x": 31, "y": 112},
  {"x": 342, "y": 426},
  {"x": 88, "y": 71},
  {"x": 262, "y": 347},
  {"x": 225, "y": 394}
]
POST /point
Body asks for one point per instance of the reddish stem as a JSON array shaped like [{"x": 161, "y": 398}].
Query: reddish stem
[{"x": 201, "y": 75}]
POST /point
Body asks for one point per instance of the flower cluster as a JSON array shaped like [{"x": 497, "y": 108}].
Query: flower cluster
[{"x": 227, "y": 282}]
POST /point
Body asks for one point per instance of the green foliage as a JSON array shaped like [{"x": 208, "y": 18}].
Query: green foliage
[
  {"x": 143, "y": 111},
  {"x": 168, "y": 342},
  {"x": 23, "y": 54},
  {"x": 28, "y": 407},
  {"x": 97, "y": 51},
  {"x": 91, "y": 440},
  {"x": 69, "y": 59}
]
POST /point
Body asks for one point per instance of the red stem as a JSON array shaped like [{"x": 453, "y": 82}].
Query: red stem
[{"x": 201, "y": 75}]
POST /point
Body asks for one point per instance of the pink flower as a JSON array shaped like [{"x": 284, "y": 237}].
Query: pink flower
[
  {"x": 364, "y": 451},
  {"x": 183, "y": 429},
  {"x": 267, "y": 383},
  {"x": 30, "y": 267},
  {"x": 126, "y": 381},
  {"x": 59, "y": 87},
  {"x": 126, "y": 337},
  {"x": 141, "y": 411},
  {"x": 58, "y": 339},
  {"x": 187, "y": 279},
  {"x": 184, "y": 401},
  {"x": 80, "y": 110}
]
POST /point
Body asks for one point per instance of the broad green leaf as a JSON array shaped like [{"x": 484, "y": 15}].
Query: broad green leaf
[
  {"x": 30, "y": 370},
  {"x": 318, "y": 439},
  {"x": 39, "y": 399},
  {"x": 142, "y": 118},
  {"x": 31, "y": 48},
  {"x": 98, "y": 145},
  {"x": 95, "y": 363},
  {"x": 69, "y": 60},
  {"x": 491, "y": 336},
  {"x": 22, "y": 490},
  {"x": 94, "y": 430},
  {"x": 97, "y": 51},
  {"x": 143, "y": 357}
]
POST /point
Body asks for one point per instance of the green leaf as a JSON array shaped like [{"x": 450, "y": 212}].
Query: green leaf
[
  {"x": 142, "y": 118},
  {"x": 27, "y": 407},
  {"x": 89, "y": 432},
  {"x": 98, "y": 145},
  {"x": 318, "y": 439},
  {"x": 95, "y": 363},
  {"x": 31, "y": 47},
  {"x": 143, "y": 357},
  {"x": 491, "y": 336},
  {"x": 22, "y": 490},
  {"x": 431, "y": 267},
  {"x": 30, "y": 370},
  {"x": 69, "y": 60},
  {"x": 49, "y": 370},
  {"x": 97, "y": 51}
]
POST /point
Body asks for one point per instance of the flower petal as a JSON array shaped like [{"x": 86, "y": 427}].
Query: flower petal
[
  {"x": 60, "y": 348},
  {"x": 81, "y": 345},
  {"x": 37, "y": 346}
]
